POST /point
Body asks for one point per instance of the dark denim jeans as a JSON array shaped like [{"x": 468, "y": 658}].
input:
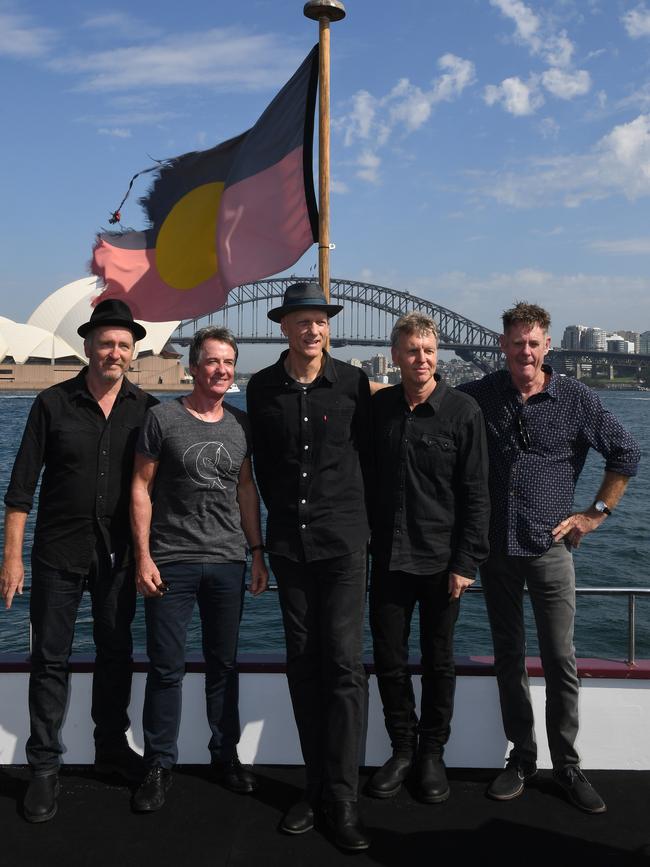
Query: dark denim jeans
[
  {"x": 322, "y": 610},
  {"x": 393, "y": 596},
  {"x": 219, "y": 590},
  {"x": 551, "y": 584},
  {"x": 54, "y": 602}
]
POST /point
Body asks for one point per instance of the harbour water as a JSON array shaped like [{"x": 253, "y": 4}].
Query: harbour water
[{"x": 616, "y": 555}]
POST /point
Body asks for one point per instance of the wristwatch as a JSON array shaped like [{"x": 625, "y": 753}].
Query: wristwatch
[{"x": 601, "y": 506}]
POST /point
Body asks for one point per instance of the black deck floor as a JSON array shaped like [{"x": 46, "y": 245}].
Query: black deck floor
[{"x": 201, "y": 824}]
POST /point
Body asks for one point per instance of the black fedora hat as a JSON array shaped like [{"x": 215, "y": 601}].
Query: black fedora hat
[
  {"x": 303, "y": 296},
  {"x": 112, "y": 312}
]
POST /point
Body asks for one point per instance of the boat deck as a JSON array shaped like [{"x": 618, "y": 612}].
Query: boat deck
[{"x": 202, "y": 824}]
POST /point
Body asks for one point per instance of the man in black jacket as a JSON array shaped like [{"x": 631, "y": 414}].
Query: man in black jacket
[
  {"x": 310, "y": 421},
  {"x": 429, "y": 533},
  {"x": 83, "y": 431}
]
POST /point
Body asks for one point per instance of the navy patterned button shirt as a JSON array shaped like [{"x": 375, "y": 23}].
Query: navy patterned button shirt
[{"x": 537, "y": 451}]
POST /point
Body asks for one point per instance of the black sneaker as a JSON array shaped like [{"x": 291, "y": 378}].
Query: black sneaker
[
  {"x": 509, "y": 783},
  {"x": 579, "y": 790},
  {"x": 150, "y": 796}
]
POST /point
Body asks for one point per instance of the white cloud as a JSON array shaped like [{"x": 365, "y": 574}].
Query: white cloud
[
  {"x": 372, "y": 120},
  {"x": 516, "y": 97},
  {"x": 116, "y": 132},
  {"x": 120, "y": 24},
  {"x": 130, "y": 118},
  {"x": 227, "y": 57},
  {"x": 637, "y": 21},
  {"x": 339, "y": 187},
  {"x": 406, "y": 105},
  {"x": 627, "y": 246},
  {"x": 368, "y": 164},
  {"x": 20, "y": 39},
  {"x": 549, "y": 128},
  {"x": 527, "y": 24},
  {"x": 618, "y": 164},
  {"x": 566, "y": 85}
]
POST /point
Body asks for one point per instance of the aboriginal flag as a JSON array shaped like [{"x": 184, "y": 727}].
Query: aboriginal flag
[{"x": 241, "y": 211}]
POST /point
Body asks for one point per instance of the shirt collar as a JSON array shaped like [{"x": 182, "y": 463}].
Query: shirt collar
[
  {"x": 435, "y": 398},
  {"x": 80, "y": 387},
  {"x": 279, "y": 375},
  {"x": 506, "y": 384}
]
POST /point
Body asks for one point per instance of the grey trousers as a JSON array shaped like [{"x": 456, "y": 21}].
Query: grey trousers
[{"x": 551, "y": 585}]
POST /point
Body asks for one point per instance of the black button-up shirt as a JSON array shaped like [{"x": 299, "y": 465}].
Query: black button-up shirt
[
  {"x": 430, "y": 504},
  {"x": 88, "y": 461},
  {"x": 310, "y": 443},
  {"x": 532, "y": 488}
]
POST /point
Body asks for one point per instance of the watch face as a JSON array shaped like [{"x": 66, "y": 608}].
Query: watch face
[{"x": 601, "y": 506}]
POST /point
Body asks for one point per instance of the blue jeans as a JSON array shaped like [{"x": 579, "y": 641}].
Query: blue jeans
[
  {"x": 393, "y": 596},
  {"x": 219, "y": 590},
  {"x": 53, "y": 606},
  {"x": 322, "y": 611},
  {"x": 551, "y": 584}
]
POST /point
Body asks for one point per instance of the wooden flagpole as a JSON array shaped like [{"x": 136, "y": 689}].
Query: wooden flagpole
[{"x": 324, "y": 11}]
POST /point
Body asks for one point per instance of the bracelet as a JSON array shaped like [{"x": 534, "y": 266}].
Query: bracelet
[{"x": 259, "y": 547}]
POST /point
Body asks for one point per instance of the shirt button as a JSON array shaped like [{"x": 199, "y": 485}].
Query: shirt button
[
  {"x": 302, "y": 526},
  {"x": 303, "y": 502},
  {"x": 304, "y": 475},
  {"x": 104, "y": 452},
  {"x": 306, "y": 418},
  {"x": 306, "y": 447}
]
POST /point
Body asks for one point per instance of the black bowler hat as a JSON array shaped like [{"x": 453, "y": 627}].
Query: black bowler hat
[
  {"x": 112, "y": 312},
  {"x": 303, "y": 296}
]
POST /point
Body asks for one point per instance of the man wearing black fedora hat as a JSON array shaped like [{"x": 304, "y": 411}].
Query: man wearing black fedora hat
[
  {"x": 83, "y": 433},
  {"x": 310, "y": 421}
]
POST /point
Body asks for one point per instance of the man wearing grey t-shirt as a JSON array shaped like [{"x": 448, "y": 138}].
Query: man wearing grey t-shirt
[{"x": 194, "y": 506}]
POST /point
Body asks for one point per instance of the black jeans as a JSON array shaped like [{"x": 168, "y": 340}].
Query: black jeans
[
  {"x": 322, "y": 611},
  {"x": 219, "y": 590},
  {"x": 54, "y": 602},
  {"x": 392, "y": 599},
  {"x": 550, "y": 579}
]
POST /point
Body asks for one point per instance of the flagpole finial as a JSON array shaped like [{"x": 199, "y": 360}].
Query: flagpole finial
[{"x": 317, "y": 9}]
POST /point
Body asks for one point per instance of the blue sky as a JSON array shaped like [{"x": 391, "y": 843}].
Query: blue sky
[{"x": 482, "y": 150}]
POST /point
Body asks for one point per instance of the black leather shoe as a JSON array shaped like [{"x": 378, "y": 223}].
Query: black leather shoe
[
  {"x": 387, "y": 781},
  {"x": 150, "y": 796},
  {"x": 298, "y": 819},
  {"x": 344, "y": 823},
  {"x": 234, "y": 776},
  {"x": 40, "y": 799},
  {"x": 432, "y": 784},
  {"x": 120, "y": 760}
]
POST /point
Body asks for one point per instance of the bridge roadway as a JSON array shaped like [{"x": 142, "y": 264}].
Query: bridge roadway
[{"x": 369, "y": 312}]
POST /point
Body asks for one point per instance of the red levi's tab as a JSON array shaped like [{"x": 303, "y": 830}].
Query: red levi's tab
[{"x": 240, "y": 211}]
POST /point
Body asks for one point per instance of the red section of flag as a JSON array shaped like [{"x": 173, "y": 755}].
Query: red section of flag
[{"x": 250, "y": 203}]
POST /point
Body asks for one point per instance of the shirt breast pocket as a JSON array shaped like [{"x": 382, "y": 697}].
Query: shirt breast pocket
[
  {"x": 338, "y": 426},
  {"x": 436, "y": 453}
]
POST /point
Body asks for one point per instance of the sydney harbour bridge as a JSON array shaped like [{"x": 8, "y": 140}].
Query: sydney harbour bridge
[{"x": 368, "y": 315}]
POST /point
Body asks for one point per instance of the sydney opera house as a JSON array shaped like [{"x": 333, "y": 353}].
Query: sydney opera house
[{"x": 47, "y": 349}]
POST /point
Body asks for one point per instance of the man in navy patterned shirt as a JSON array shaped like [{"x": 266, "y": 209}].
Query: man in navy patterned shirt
[{"x": 540, "y": 427}]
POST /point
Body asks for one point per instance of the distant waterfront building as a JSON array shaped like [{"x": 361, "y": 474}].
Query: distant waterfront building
[
  {"x": 644, "y": 342},
  {"x": 573, "y": 337},
  {"x": 633, "y": 337},
  {"x": 379, "y": 365},
  {"x": 596, "y": 339},
  {"x": 355, "y": 362},
  {"x": 615, "y": 343}
]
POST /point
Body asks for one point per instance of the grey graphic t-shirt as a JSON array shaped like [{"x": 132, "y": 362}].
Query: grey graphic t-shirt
[{"x": 195, "y": 510}]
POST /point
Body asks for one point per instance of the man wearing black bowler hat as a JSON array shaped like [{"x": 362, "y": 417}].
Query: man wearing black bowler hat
[
  {"x": 310, "y": 421},
  {"x": 83, "y": 432}
]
